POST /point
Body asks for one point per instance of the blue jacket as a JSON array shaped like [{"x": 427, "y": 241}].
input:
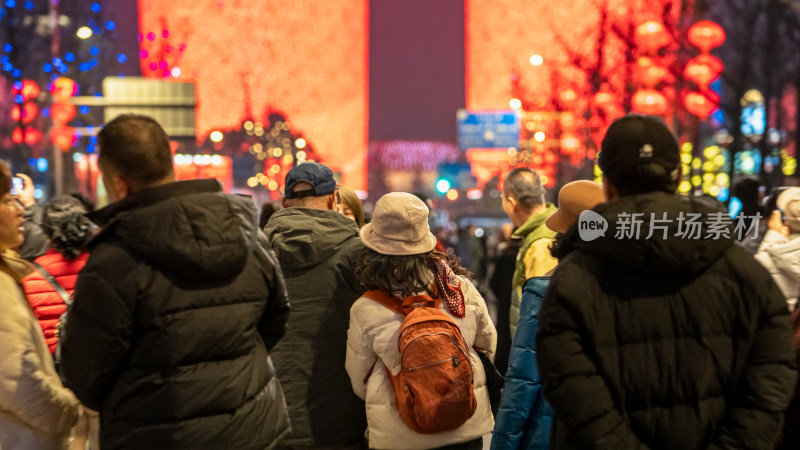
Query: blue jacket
[{"x": 523, "y": 421}]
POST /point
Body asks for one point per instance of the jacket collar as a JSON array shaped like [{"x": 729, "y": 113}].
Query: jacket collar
[{"x": 152, "y": 195}]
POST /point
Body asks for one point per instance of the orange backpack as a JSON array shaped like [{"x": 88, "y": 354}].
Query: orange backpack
[{"x": 434, "y": 388}]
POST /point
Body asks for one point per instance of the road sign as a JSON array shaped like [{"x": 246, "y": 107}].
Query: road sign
[{"x": 488, "y": 129}]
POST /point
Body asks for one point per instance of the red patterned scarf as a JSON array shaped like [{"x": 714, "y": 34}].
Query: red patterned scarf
[{"x": 449, "y": 288}]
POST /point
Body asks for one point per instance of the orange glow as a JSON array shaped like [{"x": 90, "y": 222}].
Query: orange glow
[
  {"x": 452, "y": 195},
  {"x": 306, "y": 61}
]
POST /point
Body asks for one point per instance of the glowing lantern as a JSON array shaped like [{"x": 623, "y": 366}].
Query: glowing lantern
[
  {"x": 649, "y": 101},
  {"x": 63, "y": 89},
  {"x": 28, "y": 89},
  {"x": 701, "y": 104},
  {"x": 602, "y": 98},
  {"x": 568, "y": 98},
  {"x": 63, "y": 136},
  {"x": 706, "y": 35},
  {"x": 31, "y": 136},
  {"x": 568, "y": 143},
  {"x": 62, "y": 112},
  {"x": 26, "y": 113},
  {"x": 703, "y": 69},
  {"x": 651, "y": 36},
  {"x": 648, "y": 72}
]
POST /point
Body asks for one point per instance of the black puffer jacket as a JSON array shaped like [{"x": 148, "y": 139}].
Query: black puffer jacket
[
  {"x": 663, "y": 343},
  {"x": 317, "y": 250},
  {"x": 174, "y": 313}
]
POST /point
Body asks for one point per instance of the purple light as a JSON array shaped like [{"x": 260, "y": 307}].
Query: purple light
[
  {"x": 143, "y": 54},
  {"x": 151, "y": 36}
]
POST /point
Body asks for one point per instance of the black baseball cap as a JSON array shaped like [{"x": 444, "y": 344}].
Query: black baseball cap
[
  {"x": 318, "y": 176},
  {"x": 637, "y": 139}
]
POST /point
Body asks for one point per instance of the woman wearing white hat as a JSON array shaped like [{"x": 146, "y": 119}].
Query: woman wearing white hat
[{"x": 401, "y": 270}]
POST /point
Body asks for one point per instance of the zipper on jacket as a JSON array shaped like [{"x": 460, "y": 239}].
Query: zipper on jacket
[{"x": 436, "y": 363}]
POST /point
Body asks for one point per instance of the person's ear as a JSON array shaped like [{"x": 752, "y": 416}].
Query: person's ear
[
  {"x": 283, "y": 202},
  {"x": 332, "y": 201},
  {"x": 609, "y": 190},
  {"x": 512, "y": 201},
  {"x": 122, "y": 187}
]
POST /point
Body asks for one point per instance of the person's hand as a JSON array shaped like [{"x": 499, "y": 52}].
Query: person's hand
[
  {"x": 25, "y": 196},
  {"x": 776, "y": 223}
]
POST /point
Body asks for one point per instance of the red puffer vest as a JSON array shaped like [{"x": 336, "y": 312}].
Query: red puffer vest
[{"x": 45, "y": 301}]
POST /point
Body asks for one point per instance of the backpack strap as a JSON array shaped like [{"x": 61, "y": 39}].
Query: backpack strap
[
  {"x": 58, "y": 288},
  {"x": 401, "y": 306}
]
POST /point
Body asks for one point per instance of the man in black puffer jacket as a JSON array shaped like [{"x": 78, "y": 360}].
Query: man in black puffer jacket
[
  {"x": 671, "y": 337},
  {"x": 175, "y": 312}
]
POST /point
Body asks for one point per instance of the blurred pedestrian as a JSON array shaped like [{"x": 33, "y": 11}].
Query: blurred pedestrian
[
  {"x": 523, "y": 202},
  {"x": 349, "y": 204},
  {"x": 656, "y": 331},
  {"x": 36, "y": 411},
  {"x": 524, "y": 418},
  {"x": 317, "y": 249},
  {"x": 267, "y": 210},
  {"x": 177, "y": 308},
  {"x": 501, "y": 276},
  {"x": 401, "y": 266},
  {"x": 779, "y": 252}
]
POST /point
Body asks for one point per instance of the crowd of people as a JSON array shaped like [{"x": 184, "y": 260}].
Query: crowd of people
[{"x": 178, "y": 317}]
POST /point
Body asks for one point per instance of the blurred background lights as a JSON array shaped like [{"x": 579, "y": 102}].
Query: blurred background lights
[
  {"x": 300, "y": 143},
  {"x": 176, "y": 72},
  {"x": 515, "y": 103},
  {"x": 216, "y": 136},
  {"x": 539, "y": 136},
  {"x": 537, "y": 60},
  {"x": 84, "y": 32}
]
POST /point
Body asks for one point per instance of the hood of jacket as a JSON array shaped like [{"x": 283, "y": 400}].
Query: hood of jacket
[
  {"x": 188, "y": 228},
  {"x": 305, "y": 237},
  {"x": 687, "y": 249}
]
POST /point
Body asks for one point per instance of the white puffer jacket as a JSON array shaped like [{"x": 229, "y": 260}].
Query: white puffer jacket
[
  {"x": 372, "y": 346},
  {"x": 36, "y": 410},
  {"x": 780, "y": 255}
]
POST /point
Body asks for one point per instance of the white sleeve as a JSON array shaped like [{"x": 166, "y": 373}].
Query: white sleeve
[
  {"x": 360, "y": 358},
  {"x": 32, "y": 394}
]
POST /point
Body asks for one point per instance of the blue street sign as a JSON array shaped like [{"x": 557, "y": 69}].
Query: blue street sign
[{"x": 488, "y": 129}]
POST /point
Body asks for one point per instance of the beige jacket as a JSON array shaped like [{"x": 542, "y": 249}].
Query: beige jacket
[
  {"x": 372, "y": 346},
  {"x": 36, "y": 410}
]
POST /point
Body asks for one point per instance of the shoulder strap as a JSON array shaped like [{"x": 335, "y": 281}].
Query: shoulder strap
[
  {"x": 398, "y": 305},
  {"x": 59, "y": 289}
]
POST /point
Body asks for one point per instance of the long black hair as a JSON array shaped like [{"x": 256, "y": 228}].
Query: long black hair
[{"x": 402, "y": 276}]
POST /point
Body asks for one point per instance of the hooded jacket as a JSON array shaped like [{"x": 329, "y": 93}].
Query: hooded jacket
[
  {"x": 174, "y": 313},
  {"x": 780, "y": 255},
  {"x": 372, "y": 347},
  {"x": 36, "y": 411},
  {"x": 317, "y": 250},
  {"x": 681, "y": 341}
]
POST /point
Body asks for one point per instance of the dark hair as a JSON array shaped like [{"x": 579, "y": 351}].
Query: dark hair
[
  {"x": 5, "y": 188},
  {"x": 746, "y": 190},
  {"x": 644, "y": 178},
  {"x": 267, "y": 210},
  {"x": 88, "y": 204},
  {"x": 525, "y": 186},
  {"x": 402, "y": 275},
  {"x": 136, "y": 148},
  {"x": 67, "y": 226}
]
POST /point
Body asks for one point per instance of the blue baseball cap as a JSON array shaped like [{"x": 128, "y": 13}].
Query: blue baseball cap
[{"x": 318, "y": 176}]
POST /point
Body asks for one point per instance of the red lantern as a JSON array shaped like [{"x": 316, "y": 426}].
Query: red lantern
[
  {"x": 26, "y": 113},
  {"x": 568, "y": 98},
  {"x": 28, "y": 89},
  {"x": 603, "y": 98},
  {"x": 649, "y": 101},
  {"x": 706, "y": 35},
  {"x": 63, "y": 136},
  {"x": 651, "y": 36},
  {"x": 648, "y": 72},
  {"x": 30, "y": 137},
  {"x": 701, "y": 104},
  {"x": 569, "y": 143},
  {"x": 63, "y": 89},
  {"x": 703, "y": 69},
  {"x": 62, "y": 112}
]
